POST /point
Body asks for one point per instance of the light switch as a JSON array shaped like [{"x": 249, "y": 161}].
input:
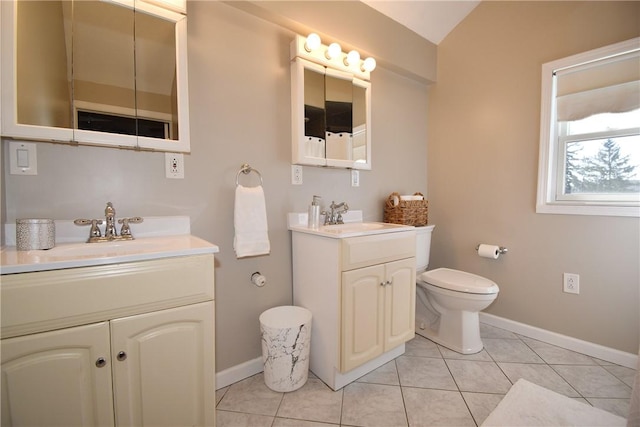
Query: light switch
[{"x": 23, "y": 159}]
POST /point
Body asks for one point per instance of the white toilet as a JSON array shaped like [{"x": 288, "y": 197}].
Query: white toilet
[{"x": 448, "y": 301}]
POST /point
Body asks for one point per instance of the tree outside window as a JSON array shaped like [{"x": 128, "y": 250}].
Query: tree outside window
[{"x": 607, "y": 171}]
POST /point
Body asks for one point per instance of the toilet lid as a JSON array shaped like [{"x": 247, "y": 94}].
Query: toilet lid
[{"x": 459, "y": 281}]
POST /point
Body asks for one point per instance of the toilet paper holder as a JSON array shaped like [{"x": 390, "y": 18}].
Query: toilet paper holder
[
  {"x": 258, "y": 279},
  {"x": 501, "y": 249}
]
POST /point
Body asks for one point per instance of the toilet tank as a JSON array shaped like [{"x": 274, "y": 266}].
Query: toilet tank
[{"x": 423, "y": 246}]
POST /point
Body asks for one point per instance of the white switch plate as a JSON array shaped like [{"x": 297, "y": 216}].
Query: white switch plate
[
  {"x": 355, "y": 178},
  {"x": 174, "y": 165},
  {"x": 23, "y": 158}
]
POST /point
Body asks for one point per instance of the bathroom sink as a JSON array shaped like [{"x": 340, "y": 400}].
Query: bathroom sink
[
  {"x": 353, "y": 226},
  {"x": 357, "y": 227},
  {"x": 105, "y": 248},
  {"x": 72, "y": 255},
  {"x": 352, "y": 229}
]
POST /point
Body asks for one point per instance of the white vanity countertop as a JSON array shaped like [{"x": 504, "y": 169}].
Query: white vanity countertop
[
  {"x": 353, "y": 226},
  {"x": 155, "y": 237},
  {"x": 72, "y": 255}
]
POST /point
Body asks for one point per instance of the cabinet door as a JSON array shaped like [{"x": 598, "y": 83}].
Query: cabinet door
[
  {"x": 165, "y": 373},
  {"x": 362, "y": 316},
  {"x": 55, "y": 378},
  {"x": 400, "y": 297}
]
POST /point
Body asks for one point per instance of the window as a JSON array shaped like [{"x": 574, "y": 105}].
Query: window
[{"x": 590, "y": 133}]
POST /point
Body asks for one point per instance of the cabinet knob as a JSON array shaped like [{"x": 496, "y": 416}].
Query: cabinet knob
[
  {"x": 388, "y": 282},
  {"x": 101, "y": 362},
  {"x": 121, "y": 356}
]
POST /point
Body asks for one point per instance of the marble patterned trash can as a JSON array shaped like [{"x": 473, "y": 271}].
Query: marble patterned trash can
[{"x": 286, "y": 339}]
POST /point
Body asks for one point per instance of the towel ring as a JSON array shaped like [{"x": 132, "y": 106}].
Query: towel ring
[{"x": 246, "y": 169}]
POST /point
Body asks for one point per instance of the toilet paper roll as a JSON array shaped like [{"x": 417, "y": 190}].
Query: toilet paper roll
[{"x": 489, "y": 251}]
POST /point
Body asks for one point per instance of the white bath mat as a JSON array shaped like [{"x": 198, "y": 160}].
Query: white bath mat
[{"x": 528, "y": 404}]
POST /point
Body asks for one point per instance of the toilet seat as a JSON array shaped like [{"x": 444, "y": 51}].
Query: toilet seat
[{"x": 459, "y": 281}]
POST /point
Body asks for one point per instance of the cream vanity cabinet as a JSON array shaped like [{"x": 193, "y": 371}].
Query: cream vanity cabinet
[
  {"x": 378, "y": 311},
  {"x": 361, "y": 292},
  {"x": 128, "y": 344}
]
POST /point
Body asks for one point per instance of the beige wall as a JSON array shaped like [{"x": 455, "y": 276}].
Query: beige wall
[
  {"x": 484, "y": 116},
  {"x": 240, "y": 113},
  {"x": 354, "y": 25}
]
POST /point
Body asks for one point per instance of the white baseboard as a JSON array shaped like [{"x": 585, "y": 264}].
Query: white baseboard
[
  {"x": 239, "y": 372},
  {"x": 608, "y": 354},
  {"x": 254, "y": 366}
]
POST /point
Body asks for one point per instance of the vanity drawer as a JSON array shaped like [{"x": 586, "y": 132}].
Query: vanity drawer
[
  {"x": 376, "y": 249},
  {"x": 47, "y": 300}
]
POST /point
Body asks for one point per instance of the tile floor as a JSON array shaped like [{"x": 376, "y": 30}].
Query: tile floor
[{"x": 431, "y": 386}]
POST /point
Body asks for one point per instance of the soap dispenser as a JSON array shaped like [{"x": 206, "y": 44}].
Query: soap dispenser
[{"x": 314, "y": 213}]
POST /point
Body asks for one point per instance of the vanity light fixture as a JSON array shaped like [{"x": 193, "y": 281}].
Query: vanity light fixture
[
  {"x": 353, "y": 57},
  {"x": 333, "y": 51},
  {"x": 313, "y": 42},
  {"x": 312, "y": 49},
  {"x": 369, "y": 64}
]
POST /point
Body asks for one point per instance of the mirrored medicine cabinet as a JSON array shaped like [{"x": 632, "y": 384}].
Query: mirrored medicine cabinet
[
  {"x": 110, "y": 73},
  {"x": 331, "y": 117}
]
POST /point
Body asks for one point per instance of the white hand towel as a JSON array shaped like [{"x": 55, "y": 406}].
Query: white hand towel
[{"x": 250, "y": 221}]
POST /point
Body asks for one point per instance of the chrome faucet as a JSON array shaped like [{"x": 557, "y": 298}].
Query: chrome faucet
[
  {"x": 110, "y": 232},
  {"x": 110, "y": 215},
  {"x": 335, "y": 215}
]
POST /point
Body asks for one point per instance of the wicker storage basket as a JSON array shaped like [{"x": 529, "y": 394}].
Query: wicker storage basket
[{"x": 406, "y": 212}]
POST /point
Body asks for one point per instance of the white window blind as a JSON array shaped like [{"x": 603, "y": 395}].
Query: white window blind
[{"x": 606, "y": 86}]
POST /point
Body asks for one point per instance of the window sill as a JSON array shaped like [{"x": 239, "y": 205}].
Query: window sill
[{"x": 587, "y": 209}]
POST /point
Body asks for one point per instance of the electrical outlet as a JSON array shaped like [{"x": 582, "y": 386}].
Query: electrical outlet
[
  {"x": 571, "y": 283},
  {"x": 355, "y": 178},
  {"x": 296, "y": 174},
  {"x": 174, "y": 165}
]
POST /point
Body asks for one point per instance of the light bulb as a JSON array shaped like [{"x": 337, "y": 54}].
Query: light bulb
[
  {"x": 352, "y": 58},
  {"x": 369, "y": 64},
  {"x": 313, "y": 42},
  {"x": 333, "y": 51}
]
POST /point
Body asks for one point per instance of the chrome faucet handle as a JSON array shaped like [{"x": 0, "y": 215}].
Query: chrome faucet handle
[
  {"x": 131, "y": 220},
  {"x": 126, "y": 230},
  {"x": 95, "y": 230},
  {"x": 326, "y": 217}
]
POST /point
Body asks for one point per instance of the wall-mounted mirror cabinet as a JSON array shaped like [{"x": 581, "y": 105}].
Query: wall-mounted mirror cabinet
[
  {"x": 331, "y": 111},
  {"x": 110, "y": 73}
]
